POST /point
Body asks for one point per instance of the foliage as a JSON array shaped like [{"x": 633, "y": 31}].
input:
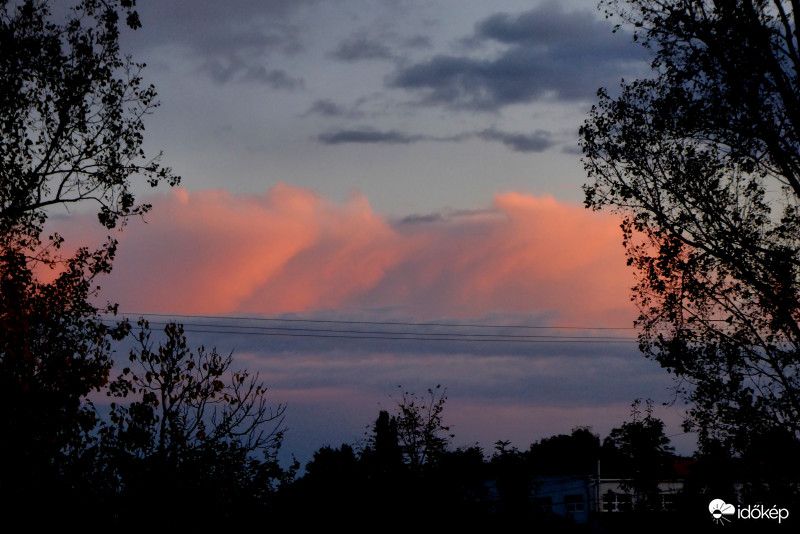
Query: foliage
[
  {"x": 190, "y": 431},
  {"x": 190, "y": 398},
  {"x": 462, "y": 489},
  {"x": 383, "y": 456},
  {"x": 421, "y": 431},
  {"x": 703, "y": 161},
  {"x": 403, "y": 475},
  {"x": 330, "y": 464},
  {"x": 513, "y": 474},
  {"x": 71, "y": 109},
  {"x": 410, "y": 441},
  {"x": 194, "y": 425},
  {"x": 54, "y": 351},
  {"x": 573, "y": 454},
  {"x": 646, "y": 453}
]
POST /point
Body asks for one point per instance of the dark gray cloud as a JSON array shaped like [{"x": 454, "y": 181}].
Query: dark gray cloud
[
  {"x": 547, "y": 26},
  {"x": 448, "y": 216},
  {"x": 210, "y": 26},
  {"x": 326, "y": 108},
  {"x": 548, "y": 53},
  {"x": 231, "y": 69},
  {"x": 535, "y": 142},
  {"x": 361, "y": 46},
  {"x": 417, "y": 219},
  {"x": 367, "y": 135},
  {"x": 229, "y": 41},
  {"x": 418, "y": 41},
  {"x": 276, "y": 78}
]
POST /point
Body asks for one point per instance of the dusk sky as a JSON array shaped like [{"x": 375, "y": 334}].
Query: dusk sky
[{"x": 393, "y": 161}]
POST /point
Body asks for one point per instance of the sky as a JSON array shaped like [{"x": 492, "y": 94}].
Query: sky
[{"x": 379, "y": 162}]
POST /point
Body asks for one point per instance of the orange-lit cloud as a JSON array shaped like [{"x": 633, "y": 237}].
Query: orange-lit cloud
[
  {"x": 290, "y": 250},
  {"x": 526, "y": 255}
]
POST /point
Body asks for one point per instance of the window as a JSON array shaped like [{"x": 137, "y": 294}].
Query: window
[
  {"x": 617, "y": 502},
  {"x": 574, "y": 503}
]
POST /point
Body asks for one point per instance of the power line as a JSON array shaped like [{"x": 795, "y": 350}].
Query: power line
[
  {"x": 419, "y": 337},
  {"x": 331, "y": 330},
  {"x": 383, "y": 323},
  {"x": 382, "y": 334}
]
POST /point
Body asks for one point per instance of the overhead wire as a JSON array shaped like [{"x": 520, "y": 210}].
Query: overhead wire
[
  {"x": 451, "y": 333},
  {"x": 401, "y": 323}
]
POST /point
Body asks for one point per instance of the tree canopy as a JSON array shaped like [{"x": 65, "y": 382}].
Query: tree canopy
[
  {"x": 188, "y": 429},
  {"x": 71, "y": 114},
  {"x": 702, "y": 159},
  {"x": 645, "y": 453},
  {"x": 71, "y": 132}
]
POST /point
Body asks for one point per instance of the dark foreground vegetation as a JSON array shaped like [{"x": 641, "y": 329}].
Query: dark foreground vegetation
[{"x": 384, "y": 482}]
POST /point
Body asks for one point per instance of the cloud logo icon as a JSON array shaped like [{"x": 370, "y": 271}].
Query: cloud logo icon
[{"x": 719, "y": 509}]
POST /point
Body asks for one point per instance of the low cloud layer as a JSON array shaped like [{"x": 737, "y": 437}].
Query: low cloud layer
[
  {"x": 290, "y": 250},
  {"x": 536, "y": 142}
]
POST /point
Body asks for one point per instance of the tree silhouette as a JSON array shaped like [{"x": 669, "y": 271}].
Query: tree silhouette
[
  {"x": 573, "y": 454},
  {"x": 195, "y": 426},
  {"x": 383, "y": 456},
  {"x": 71, "y": 133},
  {"x": 421, "y": 431},
  {"x": 402, "y": 476},
  {"x": 54, "y": 350},
  {"x": 703, "y": 161},
  {"x": 645, "y": 452},
  {"x": 71, "y": 110}
]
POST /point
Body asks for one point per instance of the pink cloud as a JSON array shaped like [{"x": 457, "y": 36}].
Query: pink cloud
[
  {"x": 290, "y": 250},
  {"x": 526, "y": 255}
]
